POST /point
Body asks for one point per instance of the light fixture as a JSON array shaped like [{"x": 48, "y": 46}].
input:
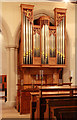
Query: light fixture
[{"x": 66, "y": 1}]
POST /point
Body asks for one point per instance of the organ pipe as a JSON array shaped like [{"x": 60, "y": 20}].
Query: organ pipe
[
  {"x": 27, "y": 31},
  {"x": 31, "y": 34},
  {"x": 36, "y": 45},
  {"x": 63, "y": 42},
  {"x": 24, "y": 38},
  {"x": 42, "y": 44},
  {"x": 60, "y": 43},
  {"x": 31, "y": 42},
  {"x": 27, "y": 41},
  {"x": 52, "y": 45}
]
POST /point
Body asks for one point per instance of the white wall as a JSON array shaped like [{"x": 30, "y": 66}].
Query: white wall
[{"x": 4, "y": 57}]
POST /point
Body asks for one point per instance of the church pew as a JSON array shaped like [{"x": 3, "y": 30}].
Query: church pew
[
  {"x": 60, "y": 106},
  {"x": 23, "y": 101},
  {"x": 21, "y": 88},
  {"x": 36, "y": 101},
  {"x": 66, "y": 113},
  {"x": 41, "y": 108}
]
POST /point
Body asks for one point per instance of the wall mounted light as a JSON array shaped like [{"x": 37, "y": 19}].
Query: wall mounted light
[{"x": 66, "y": 1}]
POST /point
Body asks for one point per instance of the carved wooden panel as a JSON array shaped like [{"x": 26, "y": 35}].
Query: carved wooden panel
[
  {"x": 52, "y": 61},
  {"x": 37, "y": 60}
]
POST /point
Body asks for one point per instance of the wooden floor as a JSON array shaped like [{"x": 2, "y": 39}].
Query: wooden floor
[{"x": 11, "y": 112}]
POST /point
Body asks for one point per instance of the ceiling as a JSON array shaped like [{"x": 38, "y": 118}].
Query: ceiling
[{"x": 72, "y": 1}]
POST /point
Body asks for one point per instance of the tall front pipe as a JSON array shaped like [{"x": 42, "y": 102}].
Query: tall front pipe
[
  {"x": 63, "y": 43},
  {"x": 53, "y": 46},
  {"x": 44, "y": 23},
  {"x": 57, "y": 44},
  {"x": 42, "y": 43},
  {"x": 24, "y": 37},
  {"x": 60, "y": 42},
  {"x": 26, "y": 40},
  {"x": 31, "y": 42}
]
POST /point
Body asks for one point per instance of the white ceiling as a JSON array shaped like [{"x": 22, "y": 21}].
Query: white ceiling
[{"x": 35, "y": 0}]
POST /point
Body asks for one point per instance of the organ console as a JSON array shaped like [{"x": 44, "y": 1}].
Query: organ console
[{"x": 42, "y": 48}]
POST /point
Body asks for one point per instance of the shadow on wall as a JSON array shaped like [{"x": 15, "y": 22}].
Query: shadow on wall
[
  {"x": 6, "y": 36},
  {"x": 43, "y": 12}
]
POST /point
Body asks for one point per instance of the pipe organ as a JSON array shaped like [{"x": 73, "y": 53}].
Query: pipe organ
[
  {"x": 42, "y": 48},
  {"x": 43, "y": 44}
]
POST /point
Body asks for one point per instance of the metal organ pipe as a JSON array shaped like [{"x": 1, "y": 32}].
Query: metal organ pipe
[
  {"x": 27, "y": 41},
  {"x": 63, "y": 42},
  {"x": 24, "y": 38},
  {"x": 60, "y": 43},
  {"x": 36, "y": 45},
  {"x": 50, "y": 45},
  {"x": 47, "y": 48},
  {"x": 27, "y": 31},
  {"x": 45, "y": 43},
  {"x": 54, "y": 46},
  {"x": 31, "y": 41},
  {"x": 42, "y": 44}
]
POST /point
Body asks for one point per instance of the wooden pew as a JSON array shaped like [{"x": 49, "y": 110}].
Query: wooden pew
[
  {"x": 62, "y": 105},
  {"x": 23, "y": 100},
  {"x": 21, "y": 91},
  {"x": 66, "y": 113},
  {"x": 41, "y": 108}
]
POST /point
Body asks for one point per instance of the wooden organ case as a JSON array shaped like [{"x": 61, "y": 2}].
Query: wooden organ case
[{"x": 42, "y": 48}]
